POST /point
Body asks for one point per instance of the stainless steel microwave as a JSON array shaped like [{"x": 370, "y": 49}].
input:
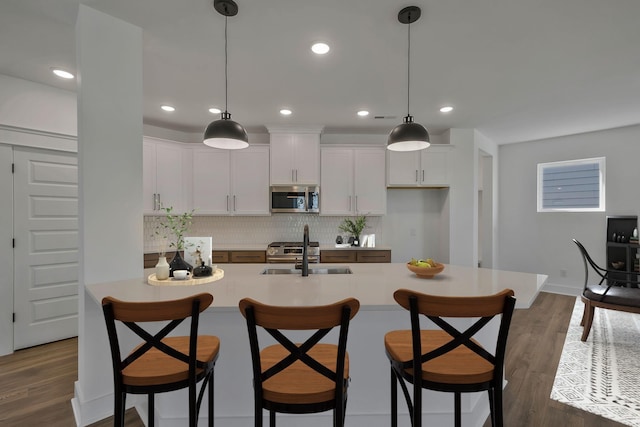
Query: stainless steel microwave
[{"x": 295, "y": 198}]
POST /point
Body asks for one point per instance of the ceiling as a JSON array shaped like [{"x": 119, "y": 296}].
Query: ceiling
[{"x": 516, "y": 70}]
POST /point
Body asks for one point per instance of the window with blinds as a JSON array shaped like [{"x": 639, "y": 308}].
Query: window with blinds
[{"x": 574, "y": 186}]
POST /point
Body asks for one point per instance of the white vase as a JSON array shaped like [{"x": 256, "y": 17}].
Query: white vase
[{"x": 162, "y": 268}]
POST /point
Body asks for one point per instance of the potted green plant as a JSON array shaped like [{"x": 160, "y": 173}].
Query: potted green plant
[
  {"x": 171, "y": 228},
  {"x": 354, "y": 227}
]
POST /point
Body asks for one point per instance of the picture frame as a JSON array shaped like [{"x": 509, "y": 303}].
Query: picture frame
[{"x": 193, "y": 245}]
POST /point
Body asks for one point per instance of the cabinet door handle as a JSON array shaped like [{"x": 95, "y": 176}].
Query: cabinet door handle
[
  {"x": 422, "y": 175},
  {"x": 227, "y": 203},
  {"x": 416, "y": 175},
  {"x": 234, "y": 202},
  {"x": 356, "y": 203},
  {"x": 296, "y": 175},
  {"x": 349, "y": 203},
  {"x": 154, "y": 202},
  {"x": 159, "y": 202},
  {"x": 292, "y": 178}
]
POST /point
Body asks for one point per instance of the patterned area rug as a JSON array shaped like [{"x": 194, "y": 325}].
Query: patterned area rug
[{"x": 602, "y": 375}]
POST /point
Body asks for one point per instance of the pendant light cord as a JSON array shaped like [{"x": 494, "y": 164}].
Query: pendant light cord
[
  {"x": 408, "y": 64},
  {"x": 226, "y": 84}
]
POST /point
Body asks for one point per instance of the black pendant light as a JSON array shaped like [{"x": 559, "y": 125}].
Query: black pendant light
[
  {"x": 225, "y": 133},
  {"x": 408, "y": 136}
]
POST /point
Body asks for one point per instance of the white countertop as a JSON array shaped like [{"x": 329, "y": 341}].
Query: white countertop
[{"x": 372, "y": 284}]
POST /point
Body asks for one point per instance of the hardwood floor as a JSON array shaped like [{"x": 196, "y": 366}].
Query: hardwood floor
[
  {"x": 36, "y": 384},
  {"x": 534, "y": 347}
]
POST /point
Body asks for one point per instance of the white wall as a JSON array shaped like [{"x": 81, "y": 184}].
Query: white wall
[
  {"x": 29, "y": 105},
  {"x": 413, "y": 224},
  {"x": 110, "y": 185},
  {"x": 486, "y": 153},
  {"x": 541, "y": 242}
]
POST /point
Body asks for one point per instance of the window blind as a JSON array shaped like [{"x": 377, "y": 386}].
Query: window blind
[{"x": 571, "y": 186}]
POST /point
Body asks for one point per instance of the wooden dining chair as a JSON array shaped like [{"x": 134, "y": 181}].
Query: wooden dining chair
[
  {"x": 161, "y": 363},
  {"x": 299, "y": 378},
  {"x": 447, "y": 359}
]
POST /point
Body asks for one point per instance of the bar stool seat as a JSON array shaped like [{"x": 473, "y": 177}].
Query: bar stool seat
[
  {"x": 156, "y": 367},
  {"x": 285, "y": 386},
  {"x": 461, "y": 366}
]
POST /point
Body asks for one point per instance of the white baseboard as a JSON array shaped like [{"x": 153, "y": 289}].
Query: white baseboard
[{"x": 562, "y": 289}]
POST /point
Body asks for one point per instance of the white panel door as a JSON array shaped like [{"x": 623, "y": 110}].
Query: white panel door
[{"x": 46, "y": 247}]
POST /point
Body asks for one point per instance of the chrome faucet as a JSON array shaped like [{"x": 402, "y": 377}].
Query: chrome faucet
[{"x": 305, "y": 257}]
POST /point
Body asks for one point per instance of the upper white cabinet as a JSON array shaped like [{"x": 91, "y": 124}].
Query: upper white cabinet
[
  {"x": 428, "y": 167},
  {"x": 231, "y": 182},
  {"x": 353, "y": 181},
  {"x": 166, "y": 168},
  {"x": 295, "y": 158}
]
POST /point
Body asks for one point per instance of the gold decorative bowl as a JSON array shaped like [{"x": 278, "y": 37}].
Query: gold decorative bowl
[{"x": 426, "y": 272}]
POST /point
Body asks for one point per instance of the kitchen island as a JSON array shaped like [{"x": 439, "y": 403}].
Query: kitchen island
[{"x": 372, "y": 284}]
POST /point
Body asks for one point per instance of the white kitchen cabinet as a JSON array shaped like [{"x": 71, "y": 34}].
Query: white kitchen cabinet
[
  {"x": 295, "y": 158},
  {"x": 231, "y": 182},
  {"x": 424, "y": 168},
  {"x": 165, "y": 170},
  {"x": 353, "y": 181}
]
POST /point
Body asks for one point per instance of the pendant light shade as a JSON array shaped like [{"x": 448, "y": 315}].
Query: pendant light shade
[
  {"x": 408, "y": 136},
  {"x": 225, "y": 133}
]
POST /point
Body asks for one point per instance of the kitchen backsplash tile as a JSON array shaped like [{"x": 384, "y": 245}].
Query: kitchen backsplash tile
[{"x": 261, "y": 229}]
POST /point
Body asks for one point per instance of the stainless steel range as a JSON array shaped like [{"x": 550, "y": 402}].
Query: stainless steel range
[{"x": 291, "y": 252}]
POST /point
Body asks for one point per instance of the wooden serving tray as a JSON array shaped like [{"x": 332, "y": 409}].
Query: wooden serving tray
[{"x": 217, "y": 275}]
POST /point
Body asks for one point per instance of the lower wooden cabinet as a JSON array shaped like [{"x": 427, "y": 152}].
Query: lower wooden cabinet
[
  {"x": 252, "y": 257},
  {"x": 218, "y": 257},
  {"x": 338, "y": 256},
  {"x": 259, "y": 257},
  {"x": 374, "y": 256},
  {"x": 355, "y": 255}
]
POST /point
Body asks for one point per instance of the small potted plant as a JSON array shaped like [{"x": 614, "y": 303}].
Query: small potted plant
[
  {"x": 354, "y": 227},
  {"x": 171, "y": 228}
]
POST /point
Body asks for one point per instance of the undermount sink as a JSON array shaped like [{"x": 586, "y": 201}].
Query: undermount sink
[{"x": 312, "y": 270}]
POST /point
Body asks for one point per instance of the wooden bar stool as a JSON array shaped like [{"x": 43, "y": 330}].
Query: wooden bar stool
[
  {"x": 447, "y": 359},
  {"x": 161, "y": 363},
  {"x": 304, "y": 377}
]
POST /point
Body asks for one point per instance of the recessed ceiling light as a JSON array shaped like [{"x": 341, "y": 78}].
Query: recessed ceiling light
[
  {"x": 320, "y": 48},
  {"x": 363, "y": 113},
  {"x": 62, "y": 73},
  {"x": 446, "y": 109},
  {"x": 168, "y": 108},
  {"x": 215, "y": 110},
  {"x": 285, "y": 112}
]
